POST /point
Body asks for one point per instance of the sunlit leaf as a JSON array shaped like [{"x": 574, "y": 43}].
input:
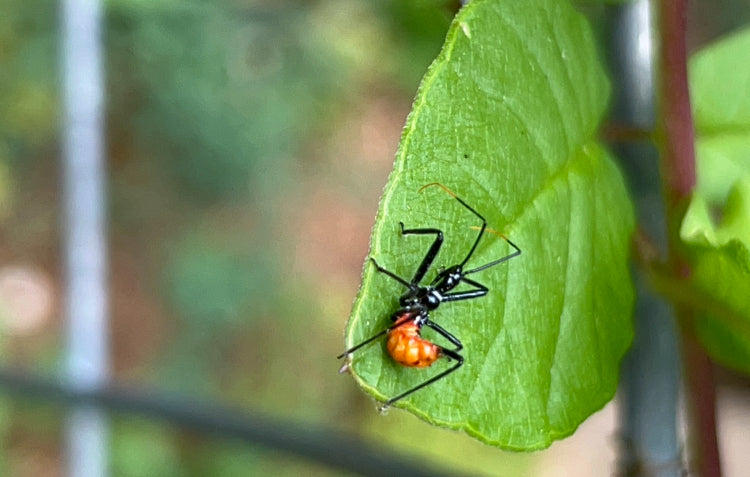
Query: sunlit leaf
[
  {"x": 506, "y": 117},
  {"x": 721, "y": 275}
]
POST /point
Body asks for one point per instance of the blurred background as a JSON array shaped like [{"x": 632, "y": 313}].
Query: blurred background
[{"x": 247, "y": 146}]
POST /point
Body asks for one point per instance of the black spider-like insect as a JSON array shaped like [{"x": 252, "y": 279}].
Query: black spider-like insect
[{"x": 404, "y": 337}]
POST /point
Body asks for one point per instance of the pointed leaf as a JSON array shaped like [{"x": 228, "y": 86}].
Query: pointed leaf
[{"x": 506, "y": 117}]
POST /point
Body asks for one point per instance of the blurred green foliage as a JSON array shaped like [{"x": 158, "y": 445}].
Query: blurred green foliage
[
  {"x": 213, "y": 108},
  {"x": 218, "y": 115},
  {"x": 205, "y": 283},
  {"x": 215, "y": 91},
  {"x": 143, "y": 449},
  {"x": 27, "y": 77}
]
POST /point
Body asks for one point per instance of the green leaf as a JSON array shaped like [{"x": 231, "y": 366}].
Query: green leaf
[
  {"x": 719, "y": 254},
  {"x": 506, "y": 117},
  {"x": 719, "y": 87},
  {"x": 720, "y": 257}
]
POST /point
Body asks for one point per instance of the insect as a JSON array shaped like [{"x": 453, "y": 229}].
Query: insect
[{"x": 404, "y": 342}]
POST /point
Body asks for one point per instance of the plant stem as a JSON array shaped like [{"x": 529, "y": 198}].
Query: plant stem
[
  {"x": 678, "y": 180},
  {"x": 678, "y": 158},
  {"x": 701, "y": 401}
]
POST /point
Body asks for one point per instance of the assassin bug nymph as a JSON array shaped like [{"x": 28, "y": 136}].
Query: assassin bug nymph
[{"x": 404, "y": 337}]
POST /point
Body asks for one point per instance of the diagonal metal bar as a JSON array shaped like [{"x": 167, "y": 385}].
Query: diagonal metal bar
[{"x": 319, "y": 444}]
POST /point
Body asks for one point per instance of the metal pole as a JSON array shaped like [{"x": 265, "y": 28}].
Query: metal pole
[
  {"x": 650, "y": 383},
  {"x": 87, "y": 365}
]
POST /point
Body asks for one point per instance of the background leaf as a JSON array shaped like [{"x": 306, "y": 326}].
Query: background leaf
[
  {"x": 719, "y": 87},
  {"x": 506, "y": 118},
  {"x": 720, "y": 254}
]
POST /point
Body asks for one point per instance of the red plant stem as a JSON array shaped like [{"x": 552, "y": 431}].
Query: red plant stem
[
  {"x": 701, "y": 402},
  {"x": 678, "y": 160},
  {"x": 678, "y": 180}
]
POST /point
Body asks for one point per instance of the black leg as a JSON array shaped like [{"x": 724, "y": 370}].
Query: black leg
[
  {"x": 481, "y": 231},
  {"x": 406, "y": 315},
  {"x": 450, "y": 353},
  {"x": 431, "y": 253},
  {"x": 392, "y": 275},
  {"x": 479, "y": 290},
  {"x": 445, "y": 334},
  {"x": 367, "y": 341},
  {"x": 471, "y": 209},
  {"x": 500, "y": 260}
]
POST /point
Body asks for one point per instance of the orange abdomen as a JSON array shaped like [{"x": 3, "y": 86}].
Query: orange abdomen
[{"x": 407, "y": 348}]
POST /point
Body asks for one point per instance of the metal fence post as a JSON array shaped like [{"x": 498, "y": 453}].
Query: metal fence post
[{"x": 84, "y": 206}]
